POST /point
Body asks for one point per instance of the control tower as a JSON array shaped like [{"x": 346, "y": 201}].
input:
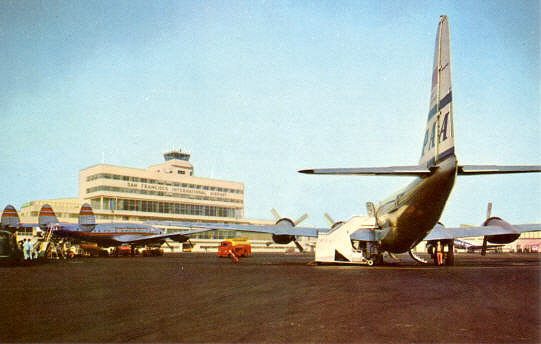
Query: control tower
[
  {"x": 176, "y": 155},
  {"x": 176, "y": 162}
]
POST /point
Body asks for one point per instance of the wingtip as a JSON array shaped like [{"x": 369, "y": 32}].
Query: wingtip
[{"x": 306, "y": 171}]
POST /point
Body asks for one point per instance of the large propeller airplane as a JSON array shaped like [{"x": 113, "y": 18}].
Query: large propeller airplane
[
  {"x": 410, "y": 215},
  {"x": 87, "y": 230},
  {"x": 397, "y": 225}
]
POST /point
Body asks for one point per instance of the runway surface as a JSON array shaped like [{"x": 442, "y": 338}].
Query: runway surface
[{"x": 271, "y": 298}]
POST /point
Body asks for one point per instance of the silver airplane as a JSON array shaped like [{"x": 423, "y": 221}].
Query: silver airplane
[
  {"x": 87, "y": 230},
  {"x": 410, "y": 215}
]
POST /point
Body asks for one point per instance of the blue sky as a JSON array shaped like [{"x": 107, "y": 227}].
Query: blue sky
[{"x": 256, "y": 90}]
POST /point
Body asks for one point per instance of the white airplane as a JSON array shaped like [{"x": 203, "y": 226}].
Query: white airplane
[{"x": 410, "y": 215}]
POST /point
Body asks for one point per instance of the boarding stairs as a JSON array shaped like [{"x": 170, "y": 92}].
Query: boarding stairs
[
  {"x": 335, "y": 246},
  {"x": 47, "y": 247}
]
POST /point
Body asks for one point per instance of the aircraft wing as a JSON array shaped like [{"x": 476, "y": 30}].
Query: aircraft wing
[
  {"x": 470, "y": 170},
  {"x": 138, "y": 239},
  {"x": 440, "y": 232},
  {"x": 416, "y": 170},
  {"x": 13, "y": 229},
  {"x": 276, "y": 229}
]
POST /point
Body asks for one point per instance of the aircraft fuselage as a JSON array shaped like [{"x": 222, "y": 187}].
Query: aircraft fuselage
[
  {"x": 108, "y": 234},
  {"x": 413, "y": 211}
]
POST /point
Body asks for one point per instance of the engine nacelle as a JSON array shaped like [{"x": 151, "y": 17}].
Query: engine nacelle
[
  {"x": 287, "y": 224},
  {"x": 337, "y": 224},
  {"x": 282, "y": 238},
  {"x": 502, "y": 238}
]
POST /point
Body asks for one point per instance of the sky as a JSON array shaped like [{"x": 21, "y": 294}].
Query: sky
[{"x": 256, "y": 90}]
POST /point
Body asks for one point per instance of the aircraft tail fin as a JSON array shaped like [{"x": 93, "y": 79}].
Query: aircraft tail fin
[
  {"x": 87, "y": 221},
  {"x": 439, "y": 138},
  {"x": 10, "y": 218},
  {"x": 46, "y": 216}
]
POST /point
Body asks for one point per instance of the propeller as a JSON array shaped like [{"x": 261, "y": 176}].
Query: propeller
[
  {"x": 331, "y": 221},
  {"x": 301, "y": 249},
  {"x": 275, "y": 214},
  {"x": 301, "y": 219},
  {"x": 278, "y": 218}
]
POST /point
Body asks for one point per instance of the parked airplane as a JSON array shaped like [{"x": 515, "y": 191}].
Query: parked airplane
[
  {"x": 105, "y": 234},
  {"x": 468, "y": 246},
  {"x": 410, "y": 215}
]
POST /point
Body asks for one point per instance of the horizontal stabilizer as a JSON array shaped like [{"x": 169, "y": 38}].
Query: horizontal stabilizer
[
  {"x": 468, "y": 170},
  {"x": 374, "y": 171}
]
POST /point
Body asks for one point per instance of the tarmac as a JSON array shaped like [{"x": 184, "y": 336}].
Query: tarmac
[{"x": 267, "y": 298}]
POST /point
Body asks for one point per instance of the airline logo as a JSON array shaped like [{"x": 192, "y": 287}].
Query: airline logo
[{"x": 430, "y": 134}]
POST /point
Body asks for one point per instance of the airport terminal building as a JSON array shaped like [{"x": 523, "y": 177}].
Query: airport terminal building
[
  {"x": 168, "y": 191},
  {"x": 165, "y": 192}
]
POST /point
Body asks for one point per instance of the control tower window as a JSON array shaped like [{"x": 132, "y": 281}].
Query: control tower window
[{"x": 176, "y": 155}]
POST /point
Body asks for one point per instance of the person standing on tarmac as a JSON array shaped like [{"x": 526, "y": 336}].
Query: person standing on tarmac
[
  {"x": 21, "y": 246},
  {"x": 439, "y": 253},
  {"x": 25, "y": 248},
  {"x": 30, "y": 248}
]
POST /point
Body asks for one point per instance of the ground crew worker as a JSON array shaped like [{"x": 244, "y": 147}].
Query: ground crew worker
[
  {"x": 26, "y": 249},
  {"x": 34, "y": 252},
  {"x": 439, "y": 253},
  {"x": 23, "y": 247},
  {"x": 30, "y": 250}
]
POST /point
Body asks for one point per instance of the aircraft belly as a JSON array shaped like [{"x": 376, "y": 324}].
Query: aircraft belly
[{"x": 419, "y": 210}]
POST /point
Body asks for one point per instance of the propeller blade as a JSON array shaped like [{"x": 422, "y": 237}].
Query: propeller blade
[
  {"x": 301, "y": 249},
  {"x": 484, "y": 248},
  {"x": 275, "y": 214},
  {"x": 300, "y": 219},
  {"x": 329, "y": 219},
  {"x": 489, "y": 209}
]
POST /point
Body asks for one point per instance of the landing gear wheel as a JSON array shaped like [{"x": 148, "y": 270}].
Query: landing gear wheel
[{"x": 369, "y": 262}]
